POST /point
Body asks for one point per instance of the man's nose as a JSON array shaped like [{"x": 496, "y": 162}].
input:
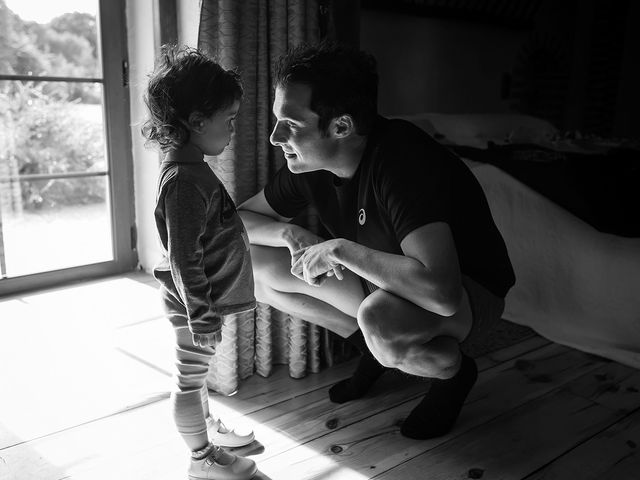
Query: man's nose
[{"x": 276, "y": 138}]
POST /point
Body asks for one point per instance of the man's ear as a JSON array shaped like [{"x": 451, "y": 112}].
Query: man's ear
[
  {"x": 343, "y": 126},
  {"x": 195, "y": 122}
]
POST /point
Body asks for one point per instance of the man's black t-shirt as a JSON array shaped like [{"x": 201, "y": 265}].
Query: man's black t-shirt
[{"x": 404, "y": 181}]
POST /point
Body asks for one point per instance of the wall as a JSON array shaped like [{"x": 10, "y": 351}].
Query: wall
[
  {"x": 188, "y": 21},
  {"x": 627, "y": 122},
  {"x": 576, "y": 66},
  {"x": 140, "y": 36},
  {"x": 438, "y": 65}
]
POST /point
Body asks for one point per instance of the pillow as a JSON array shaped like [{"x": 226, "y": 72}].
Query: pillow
[{"x": 477, "y": 129}]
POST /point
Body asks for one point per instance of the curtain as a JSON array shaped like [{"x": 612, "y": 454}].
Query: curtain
[{"x": 249, "y": 36}]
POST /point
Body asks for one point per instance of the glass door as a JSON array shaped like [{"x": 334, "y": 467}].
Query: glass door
[{"x": 66, "y": 197}]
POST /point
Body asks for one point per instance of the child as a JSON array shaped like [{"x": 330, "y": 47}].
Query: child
[{"x": 205, "y": 272}]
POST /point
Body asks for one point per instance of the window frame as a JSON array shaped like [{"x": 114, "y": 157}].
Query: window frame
[{"x": 113, "y": 41}]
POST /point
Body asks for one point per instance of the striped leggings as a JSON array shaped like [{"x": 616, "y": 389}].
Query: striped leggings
[{"x": 189, "y": 397}]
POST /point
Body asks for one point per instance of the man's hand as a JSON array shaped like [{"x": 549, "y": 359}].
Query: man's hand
[
  {"x": 314, "y": 264},
  {"x": 299, "y": 238},
  {"x": 206, "y": 339}
]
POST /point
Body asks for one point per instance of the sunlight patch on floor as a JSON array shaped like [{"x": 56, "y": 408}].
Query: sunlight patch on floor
[{"x": 68, "y": 355}]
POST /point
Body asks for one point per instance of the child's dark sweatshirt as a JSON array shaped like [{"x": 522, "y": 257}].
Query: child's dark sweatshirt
[{"x": 206, "y": 260}]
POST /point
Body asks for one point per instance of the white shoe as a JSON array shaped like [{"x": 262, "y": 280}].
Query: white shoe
[
  {"x": 221, "y": 435},
  {"x": 221, "y": 465}
]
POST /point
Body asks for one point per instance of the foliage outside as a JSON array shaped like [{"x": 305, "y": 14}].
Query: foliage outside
[{"x": 50, "y": 127}]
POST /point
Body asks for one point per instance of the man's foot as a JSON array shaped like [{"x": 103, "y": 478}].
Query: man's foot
[
  {"x": 216, "y": 464},
  {"x": 224, "y": 436},
  {"x": 365, "y": 375},
  {"x": 436, "y": 414}
]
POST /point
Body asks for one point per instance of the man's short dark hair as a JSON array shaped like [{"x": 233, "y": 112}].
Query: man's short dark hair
[{"x": 343, "y": 80}]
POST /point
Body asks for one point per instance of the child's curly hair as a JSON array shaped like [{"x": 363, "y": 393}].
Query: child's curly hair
[{"x": 185, "y": 81}]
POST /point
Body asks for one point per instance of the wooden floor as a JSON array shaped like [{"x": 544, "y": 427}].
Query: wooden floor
[{"x": 85, "y": 376}]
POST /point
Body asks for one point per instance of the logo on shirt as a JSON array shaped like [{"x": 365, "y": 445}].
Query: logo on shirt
[{"x": 362, "y": 216}]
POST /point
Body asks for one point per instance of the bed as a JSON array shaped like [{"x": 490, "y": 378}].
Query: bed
[{"x": 578, "y": 281}]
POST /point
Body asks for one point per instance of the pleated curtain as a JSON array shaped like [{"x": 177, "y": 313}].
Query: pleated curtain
[{"x": 248, "y": 36}]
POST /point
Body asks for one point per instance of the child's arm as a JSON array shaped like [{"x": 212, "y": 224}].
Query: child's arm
[{"x": 186, "y": 217}]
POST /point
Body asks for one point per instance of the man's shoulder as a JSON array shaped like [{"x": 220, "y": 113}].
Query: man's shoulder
[
  {"x": 399, "y": 126},
  {"x": 399, "y": 142},
  {"x": 395, "y": 136}
]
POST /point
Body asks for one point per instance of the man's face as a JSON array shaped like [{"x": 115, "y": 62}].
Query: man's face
[{"x": 296, "y": 131}]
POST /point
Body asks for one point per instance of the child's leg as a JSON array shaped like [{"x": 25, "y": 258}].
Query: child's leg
[
  {"x": 204, "y": 392},
  {"x": 192, "y": 366}
]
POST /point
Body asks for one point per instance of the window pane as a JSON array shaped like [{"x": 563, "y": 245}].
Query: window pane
[
  {"x": 51, "y": 127},
  {"x": 57, "y": 223},
  {"x": 45, "y": 37}
]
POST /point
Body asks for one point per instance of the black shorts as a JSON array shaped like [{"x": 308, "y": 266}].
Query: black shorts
[
  {"x": 486, "y": 308},
  {"x": 486, "y": 311}
]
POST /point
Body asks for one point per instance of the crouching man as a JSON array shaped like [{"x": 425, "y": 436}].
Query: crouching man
[{"x": 415, "y": 266}]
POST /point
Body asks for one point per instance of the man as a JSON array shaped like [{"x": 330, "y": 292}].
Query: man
[{"x": 415, "y": 265}]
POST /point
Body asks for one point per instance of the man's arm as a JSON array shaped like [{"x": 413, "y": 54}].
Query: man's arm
[
  {"x": 265, "y": 227},
  {"x": 428, "y": 274}
]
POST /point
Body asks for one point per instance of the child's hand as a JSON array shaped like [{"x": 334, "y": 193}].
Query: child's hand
[
  {"x": 299, "y": 238},
  {"x": 206, "y": 339}
]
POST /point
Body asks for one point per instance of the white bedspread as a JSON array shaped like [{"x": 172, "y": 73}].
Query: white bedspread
[{"x": 574, "y": 285}]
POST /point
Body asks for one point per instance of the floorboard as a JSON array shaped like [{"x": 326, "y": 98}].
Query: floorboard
[
  {"x": 539, "y": 410},
  {"x": 374, "y": 445}
]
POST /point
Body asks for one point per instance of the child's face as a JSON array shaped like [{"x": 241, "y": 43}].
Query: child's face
[{"x": 216, "y": 131}]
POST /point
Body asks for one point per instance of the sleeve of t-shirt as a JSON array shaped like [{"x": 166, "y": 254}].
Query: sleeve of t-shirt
[
  {"x": 285, "y": 193},
  {"x": 186, "y": 215},
  {"x": 414, "y": 188}
]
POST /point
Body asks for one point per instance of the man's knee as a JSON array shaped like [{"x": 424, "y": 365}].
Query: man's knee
[
  {"x": 379, "y": 315},
  {"x": 394, "y": 348},
  {"x": 375, "y": 321},
  {"x": 370, "y": 316}
]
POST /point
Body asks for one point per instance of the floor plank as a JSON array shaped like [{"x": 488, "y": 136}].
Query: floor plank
[
  {"x": 274, "y": 405},
  {"x": 539, "y": 410},
  {"x": 613, "y": 385},
  {"x": 374, "y": 444},
  {"x": 615, "y": 452},
  {"x": 142, "y": 443},
  {"x": 514, "y": 445},
  {"x": 612, "y": 454},
  {"x": 63, "y": 345}
]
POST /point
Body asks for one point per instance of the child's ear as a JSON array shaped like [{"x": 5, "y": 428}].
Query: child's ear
[
  {"x": 342, "y": 126},
  {"x": 196, "y": 122}
]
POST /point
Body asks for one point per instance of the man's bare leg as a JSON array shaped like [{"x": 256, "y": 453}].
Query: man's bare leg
[
  {"x": 309, "y": 309},
  {"x": 397, "y": 332},
  {"x": 402, "y": 335},
  {"x": 333, "y": 305},
  {"x": 276, "y": 286},
  {"x": 424, "y": 344}
]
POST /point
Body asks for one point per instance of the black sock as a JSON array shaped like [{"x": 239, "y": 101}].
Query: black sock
[
  {"x": 364, "y": 376},
  {"x": 438, "y": 411}
]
